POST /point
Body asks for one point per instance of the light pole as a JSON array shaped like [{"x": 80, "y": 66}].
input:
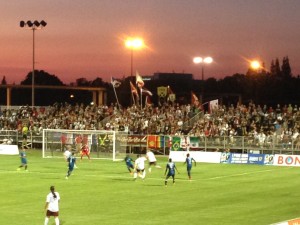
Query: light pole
[
  {"x": 206, "y": 60},
  {"x": 133, "y": 44},
  {"x": 36, "y": 25}
]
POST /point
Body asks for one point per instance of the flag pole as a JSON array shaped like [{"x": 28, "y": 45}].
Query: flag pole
[
  {"x": 116, "y": 97},
  {"x": 133, "y": 98},
  {"x": 141, "y": 98}
]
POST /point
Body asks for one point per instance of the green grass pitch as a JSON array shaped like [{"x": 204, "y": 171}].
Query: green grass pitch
[{"x": 102, "y": 192}]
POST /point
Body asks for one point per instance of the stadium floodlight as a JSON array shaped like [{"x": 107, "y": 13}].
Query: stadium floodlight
[
  {"x": 43, "y": 23},
  {"x": 22, "y": 24},
  {"x": 36, "y": 23},
  {"x": 202, "y": 61},
  {"x": 33, "y": 26},
  {"x": 133, "y": 44},
  {"x": 29, "y": 23}
]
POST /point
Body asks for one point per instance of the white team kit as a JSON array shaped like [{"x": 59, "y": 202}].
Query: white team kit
[
  {"x": 139, "y": 166},
  {"x": 152, "y": 160},
  {"x": 151, "y": 157},
  {"x": 140, "y": 163},
  {"x": 53, "y": 202}
]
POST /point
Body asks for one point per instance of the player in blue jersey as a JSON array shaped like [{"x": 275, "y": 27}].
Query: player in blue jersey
[
  {"x": 129, "y": 163},
  {"x": 71, "y": 161},
  {"x": 170, "y": 168},
  {"x": 189, "y": 163},
  {"x": 23, "y": 160}
]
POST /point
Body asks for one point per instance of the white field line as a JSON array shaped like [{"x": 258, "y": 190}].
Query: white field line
[{"x": 148, "y": 177}]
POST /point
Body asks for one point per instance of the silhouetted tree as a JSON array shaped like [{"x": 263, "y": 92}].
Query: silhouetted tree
[
  {"x": 277, "y": 68},
  {"x": 3, "y": 82},
  {"x": 82, "y": 82},
  {"x": 42, "y": 78},
  {"x": 98, "y": 82},
  {"x": 285, "y": 68}
]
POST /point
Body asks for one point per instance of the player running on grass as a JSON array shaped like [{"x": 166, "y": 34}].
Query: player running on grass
[
  {"x": 152, "y": 160},
  {"x": 170, "y": 168},
  {"x": 72, "y": 161},
  {"x": 189, "y": 164},
  {"x": 85, "y": 151},
  {"x": 23, "y": 160},
  {"x": 139, "y": 167},
  {"x": 129, "y": 163}
]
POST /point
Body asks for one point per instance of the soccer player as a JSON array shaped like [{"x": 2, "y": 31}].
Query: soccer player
[
  {"x": 152, "y": 160},
  {"x": 85, "y": 151},
  {"x": 189, "y": 163},
  {"x": 171, "y": 167},
  {"x": 72, "y": 161},
  {"x": 24, "y": 135},
  {"x": 139, "y": 167},
  {"x": 23, "y": 160},
  {"x": 51, "y": 206},
  {"x": 129, "y": 163},
  {"x": 68, "y": 153}
]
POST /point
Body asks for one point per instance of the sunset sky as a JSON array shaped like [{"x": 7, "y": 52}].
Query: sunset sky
[{"x": 85, "y": 38}]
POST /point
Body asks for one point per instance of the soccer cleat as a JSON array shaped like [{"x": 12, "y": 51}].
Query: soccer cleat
[
  {"x": 67, "y": 177},
  {"x": 18, "y": 169}
]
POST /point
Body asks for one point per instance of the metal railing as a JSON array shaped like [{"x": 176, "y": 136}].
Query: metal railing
[{"x": 270, "y": 145}]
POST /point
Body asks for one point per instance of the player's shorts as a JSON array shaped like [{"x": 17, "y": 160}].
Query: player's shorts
[
  {"x": 170, "y": 174},
  {"x": 130, "y": 165},
  {"x": 83, "y": 152},
  {"x": 140, "y": 170},
  {"x": 50, "y": 213},
  {"x": 152, "y": 163},
  {"x": 24, "y": 161}
]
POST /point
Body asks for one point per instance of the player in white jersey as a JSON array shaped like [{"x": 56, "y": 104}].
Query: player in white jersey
[
  {"x": 152, "y": 160},
  {"x": 51, "y": 206},
  {"x": 139, "y": 167}
]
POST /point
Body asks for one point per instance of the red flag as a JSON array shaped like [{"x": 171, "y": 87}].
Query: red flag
[
  {"x": 148, "y": 101},
  {"x": 133, "y": 90},
  {"x": 146, "y": 92}
]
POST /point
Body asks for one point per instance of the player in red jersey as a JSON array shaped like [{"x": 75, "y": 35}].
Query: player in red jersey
[{"x": 85, "y": 151}]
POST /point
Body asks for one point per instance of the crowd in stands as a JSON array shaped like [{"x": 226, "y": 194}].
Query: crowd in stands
[{"x": 260, "y": 123}]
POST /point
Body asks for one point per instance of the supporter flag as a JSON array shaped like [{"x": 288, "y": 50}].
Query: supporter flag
[
  {"x": 155, "y": 141},
  {"x": 134, "y": 90},
  {"x": 194, "y": 143},
  {"x": 194, "y": 99},
  {"x": 139, "y": 80},
  {"x": 176, "y": 143},
  {"x": 171, "y": 96},
  {"x": 213, "y": 105},
  {"x": 185, "y": 143},
  {"x": 151, "y": 141},
  {"x": 115, "y": 83},
  {"x": 160, "y": 141},
  {"x": 146, "y": 92},
  {"x": 162, "y": 91}
]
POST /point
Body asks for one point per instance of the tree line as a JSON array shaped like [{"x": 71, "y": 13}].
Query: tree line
[{"x": 274, "y": 86}]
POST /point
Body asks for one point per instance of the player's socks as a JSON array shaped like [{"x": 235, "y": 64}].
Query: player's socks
[
  {"x": 46, "y": 221},
  {"x": 56, "y": 221}
]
